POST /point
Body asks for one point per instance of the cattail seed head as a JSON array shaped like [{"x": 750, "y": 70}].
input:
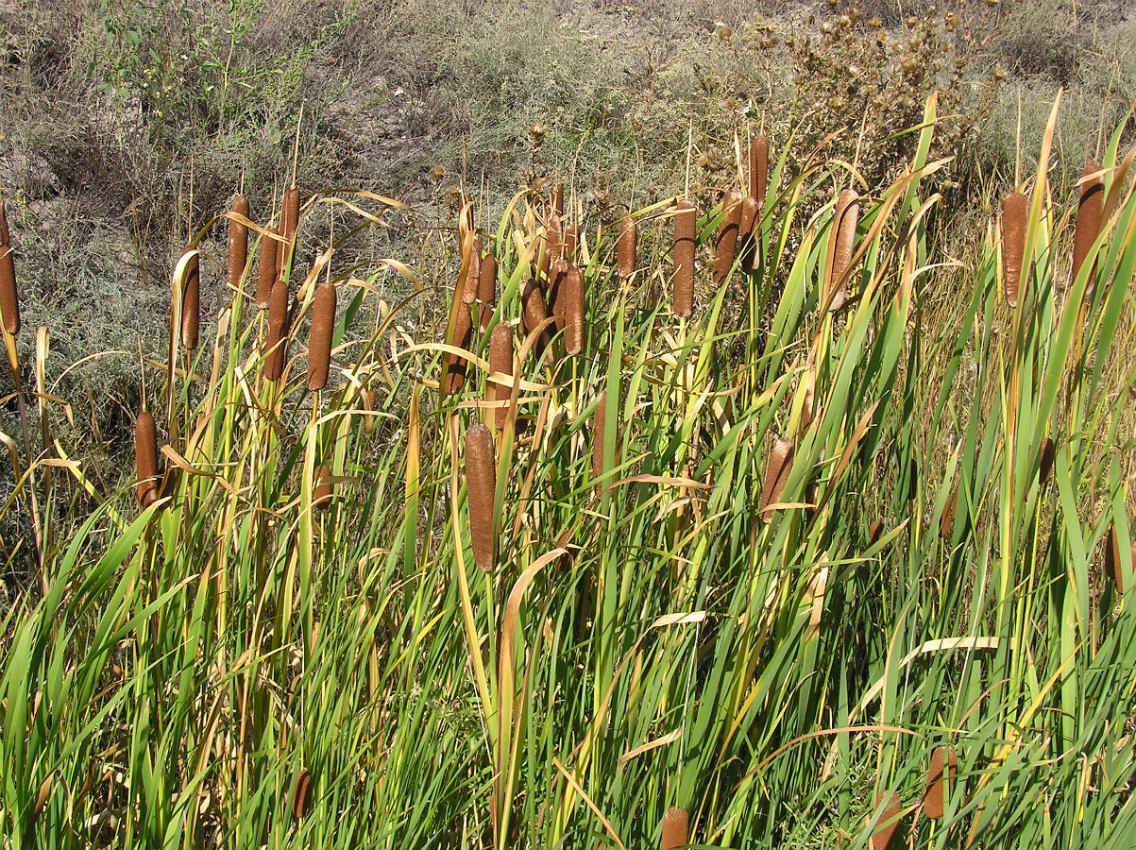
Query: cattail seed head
[
  {"x": 683, "y": 258},
  {"x": 776, "y": 474},
  {"x": 534, "y": 313},
  {"x": 472, "y": 271},
  {"x": 191, "y": 304},
  {"x": 875, "y": 530},
  {"x": 321, "y": 492},
  {"x": 481, "y": 486},
  {"x": 574, "y": 299},
  {"x": 1090, "y": 207},
  {"x": 727, "y": 240},
  {"x": 5, "y": 234},
  {"x": 940, "y": 780},
  {"x": 9, "y": 296},
  {"x": 758, "y": 168},
  {"x": 889, "y": 820},
  {"x": 554, "y": 300},
  {"x": 599, "y": 423},
  {"x": 289, "y": 224},
  {"x": 1013, "y": 244},
  {"x": 487, "y": 289},
  {"x": 1045, "y": 464},
  {"x": 238, "y": 243},
  {"x": 146, "y": 458},
  {"x": 266, "y": 274},
  {"x": 276, "y": 343},
  {"x": 676, "y": 829},
  {"x": 844, "y": 223},
  {"x": 748, "y": 232},
  {"x": 301, "y": 803},
  {"x": 319, "y": 343},
  {"x": 626, "y": 247},
  {"x": 500, "y": 360},
  {"x": 460, "y": 335},
  {"x": 553, "y": 243},
  {"x": 1113, "y": 565},
  {"x": 947, "y": 521}
]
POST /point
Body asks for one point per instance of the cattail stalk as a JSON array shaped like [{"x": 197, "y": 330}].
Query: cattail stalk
[
  {"x": 940, "y": 780},
  {"x": 266, "y": 274},
  {"x": 1013, "y": 244},
  {"x": 276, "y": 343},
  {"x": 238, "y": 243},
  {"x": 683, "y": 258},
  {"x": 487, "y": 289},
  {"x": 9, "y": 295},
  {"x": 676, "y": 829},
  {"x": 191, "y": 303},
  {"x": 776, "y": 474},
  {"x": 727, "y": 240},
  {"x": 319, "y": 343},
  {"x": 146, "y": 458},
  {"x": 500, "y": 360},
  {"x": 481, "y": 486},
  {"x": 1089, "y": 209},
  {"x": 626, "y": 247},
  {"x": 842, "y": 242},
  {"x": 758, "y": 168},
  {"x": 574, "y": 300}
]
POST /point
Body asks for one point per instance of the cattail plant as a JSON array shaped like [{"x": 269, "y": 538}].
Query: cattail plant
[
  {"x": 553, "y": 247},
  {"x": 1013, "y": 244},
  {"x": 676, "y": 829},
  {"x": 9, "y": 296},
  {"x": 500, "y": 360},
  {"x": 776, "y": 474},
  {"x": 889, "y": 821},
  {"x": 487, "y": 289},
  {"x": 875, "y": 530},
  {"x": 146, "y": 458},
  {"x": 727, "y": 239},
  {"x": 238, "y": 243},
  {"x": 556, "y": 276},
  {"x": 289, "y": 224},
  {"x": 758, "y": 168},
  {"x": 569, "y": 237},
  {"x": 321, "y": 492},
  {"x": 533, "y": 313},
  {"x": 748, "y": 233},
  {"x": 191, "y": 303},
  {"x": 460, "y": 335},
  {"x": 940, "y": 780},
  {"x": 574, "y": 300},
  {"x": 481, "y": 485},
  {"x": 1045, "y": 462},
  {"x": 841, "y": 243},
  {"x": 626, "y": 247},
  {"x": 947, "y": 520},
  {"x": 599, "y": 423},
  {"x": 276, "y": 343},
  {"x": 266, "y": 274},
  {"x": 1113, "y": 565},
  {"x": 472, "y": 277},
  {"x": 301, "y": 803},
  {"x": 1090, "y": 206},
  {"x": 683, "y": 258},
  {"x": 556, "y": 199},
  {"x": 319, "y": 342}
]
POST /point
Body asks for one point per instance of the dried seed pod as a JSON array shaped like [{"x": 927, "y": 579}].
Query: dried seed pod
[
  {"x": 534, "y": 313},
  {"x": 301, "y": 803},
  {"x": 500, "y": 360},
  {"x": 1013, "y": 244},
  {"x": 1090, "y": 206},
  {"x": 9, "y": 296},
  {"x": 472, "y": 272},
  {"x": 626, "y": 247},
  {"x": 727, "y": 240},
  {"x": 676, "y": 829},
  {"x": 555, "y": 291},
  {"x": 776, "y": 474},
  {"x": 191, "y": 304},
  {"x": 940, "y": 781},
  {"x": 289, "y": 224},
  {"x": 1113, "y": 566},
  {"x": 461, "y": 334},
  {"x": 843, "y": 238},
  {"x": 553, "y": 244},
  {"x": 875, "y": 530},
  {"x": 238, "y": 243},
  {"x": 683, "y": 258},
  {"x": 266, "y": 274},
  {"x": 146, "y": 458},
  {"x": 487, "y": 289},
  {"x": 321, "y": 492},
  {"x": 947, "y": 521},
  {"x": 888, "y": 822},
  {"x": 573, "y": 298},
  {"x": 481, "y": 486},
  {"x": 758, "y": 168},
  {"x": 276, "y": 344},
  {"x": 748, "y": 233},
  {"x": 599, "y": 423},
  {"x": 319, "y": 342},
  {"x": 1045, "y": 464}
]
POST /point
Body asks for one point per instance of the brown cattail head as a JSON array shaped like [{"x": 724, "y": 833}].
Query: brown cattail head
[
  {"x": 276, "y": 344},
  {"x": 940, "y": 781},
  {"x": 556, "y": 199},
  {"x": 888, "y": 822},
  {"x": 843, "y": 241},
  {"x": 1045, "y": 464},
  {"x": 683, "y": 258},
  {"x": 302, "y": 794},
  {"x": 266, "y": 274},
  {"x": 947, "y": 521},
  {"x": 9, "y": 295},
  {"x": 1013, "y": 244},
  {"x": 461, "y": 334},
  {"x": 321, "y": 492},
  {"x": 599, "y": 423},
  {"x": 146, "y": 458},
  {"x": 556, "y": 277},
  {"x": 553, "y": 245},
  {"x": 481, "y": 486},
  {"x": 487, "y": 289},
  {"x": 238, "y": 243},
  {"x": 472, "y": 271},
  {"x": 1090, "y": 206},
  {"x": 1113, "y": 565},
  {"x": 676, "y": 829},
  {"x": 626, "y": 247},
  {"x": 534, "y": 312},
  {"x": 500, "y": 360},
  {"x": 5, "y": 234},
  {"x": 319, "y": 343},
  {"x": 191, "y": 304},
  {"x": 758, "y": 168},
  {"x": 289, "y": 224},
  {"x": 748, "y": 231},
  {"x": 727, "y": 241},
  {"x": 573, "y": 298},
  {"x": 776, "y": 474},
  {"x": 875, "y": 530}
]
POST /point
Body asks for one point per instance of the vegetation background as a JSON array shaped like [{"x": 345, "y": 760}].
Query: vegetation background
[{"x": 231, "y": 669}]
